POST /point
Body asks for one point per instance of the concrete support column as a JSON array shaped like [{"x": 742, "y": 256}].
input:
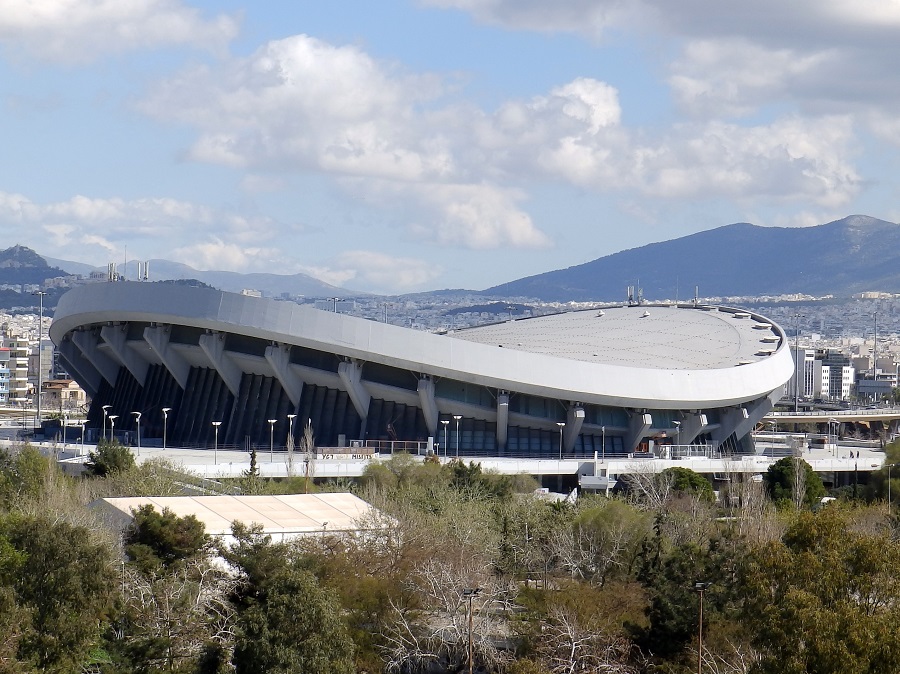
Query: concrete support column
[
  {"x": 350, "y": 373},
  {"x": 574, "y": 422},
  {"x": 742, "y": 420},
  {"x": 213, "y": 345},
  {"x": 693, "y": 424},
  {"x": 638, "y": 425},
  {"x": 116, "y": 336},
  {"x": 87, "y": 343},
  {"x": 89, "y": 376},
  {"x": 502, "y": 421},
  {"x": 279, "y": 358},
  {"x": 157, "y": 337},
  {"x": 428, "y": 404}
]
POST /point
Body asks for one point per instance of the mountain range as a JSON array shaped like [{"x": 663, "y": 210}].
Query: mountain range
[
  {"x": 268, "y": 284},
  {"x": 854, "y": 254}
]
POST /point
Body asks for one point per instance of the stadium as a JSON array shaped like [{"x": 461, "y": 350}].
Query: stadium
[{"x": 616, "y": 381}]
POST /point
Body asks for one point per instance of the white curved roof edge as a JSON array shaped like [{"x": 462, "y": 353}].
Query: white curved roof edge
[{"x": 425, "y": 352}]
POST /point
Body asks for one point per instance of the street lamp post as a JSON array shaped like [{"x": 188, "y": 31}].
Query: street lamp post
[
  {"x": 65, "y": 425},
  {"x": 105, "y": 415},
  {"x": 216, "y": 425},
  {"x": 334, "y": 301},
  {"x": 603, "y": 448},
  {"x": 562, "y": 425},
  {"x": 83, "y": 422},
  {"x": 457, "y": 417},
  {"x": 40, "y": 386},
  {"x": 272, "y": 440},
  {"x": 112, "y": 426},
  {"x": 470, "y": 594},
  {"x": 677, "y": 433},
  {"x": 137, "y": 421},
  {"x": 700, "y": 588},
  {"x": 165, "y": 411},
  {"x": 836, "y": 425},
  {"x": 445, "y": 423}
]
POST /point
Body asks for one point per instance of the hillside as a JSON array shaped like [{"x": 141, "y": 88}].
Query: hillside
[{"x": 850, "y": 255}]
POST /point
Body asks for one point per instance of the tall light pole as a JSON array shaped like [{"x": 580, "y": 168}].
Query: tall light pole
[
  {"x": 272, "y": 440},
  {"x": 105, "y": 415},
  {"x": 216, "y": 425},
  {"x": 677, "y": 433},
  {"x": 334, "y": 301},
  {"x": 457, "y": 417},
  {"x": 470, "y": 594},
  {"x": 137, "y": 421},
  {"x": 65, "y": 425},
  {"x": 562, "y": 425},
  {"x": 165, "y": 411},
  {"x": 40, "y": 294},
  {"x": 83, "y": 422},
  {"x": 445, "y": 423},
  {"x": 112, "y": 426},
  {"x": 700, "y": 588},
  {"x": 833, "y": 423},
  {"x": 603, "y": 448}
]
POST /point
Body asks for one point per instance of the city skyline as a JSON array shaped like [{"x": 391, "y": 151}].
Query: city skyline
[{"x": 437, "y": 144}]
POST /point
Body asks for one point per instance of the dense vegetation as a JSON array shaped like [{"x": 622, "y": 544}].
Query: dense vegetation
[{"x": 592, "y": 584}]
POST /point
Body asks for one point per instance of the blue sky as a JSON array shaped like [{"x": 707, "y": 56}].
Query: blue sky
[{"x": 404, "y": 146}]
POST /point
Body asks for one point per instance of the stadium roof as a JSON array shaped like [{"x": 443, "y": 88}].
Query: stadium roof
[{"x": 663, "y": 337}]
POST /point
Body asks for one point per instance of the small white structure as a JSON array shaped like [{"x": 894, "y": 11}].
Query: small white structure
[{"x": 281, "y": 517}]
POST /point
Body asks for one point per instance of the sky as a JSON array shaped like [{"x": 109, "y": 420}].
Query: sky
[{"x": 401, "y": 146}]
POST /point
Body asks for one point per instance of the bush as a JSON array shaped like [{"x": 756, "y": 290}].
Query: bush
[{"x": 109, "y": 458}]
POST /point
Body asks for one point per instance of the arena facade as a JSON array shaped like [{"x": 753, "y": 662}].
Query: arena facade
[{"x": 614, "y": 380}]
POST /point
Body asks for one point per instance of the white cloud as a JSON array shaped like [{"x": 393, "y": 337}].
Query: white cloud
[
  {"x": 468, "y": 216},
  {"x": 591, "y": 17},
  {"x": 300, "y": 103},
  {"x": 793, "y": 158},
  {"x": 75, "y": 229},
  {"x": 454, "y": 174},
  {"x": 79, "y": 31},
  {"x": 377, "y": 272},
  {"x": 825, "y": 56},
  {"x": 217, "y": 254}
]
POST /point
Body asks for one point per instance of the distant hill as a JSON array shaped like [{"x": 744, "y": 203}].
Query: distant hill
[
  {"x": 271, "y": 284},
  {"x": 21, "y": 265},
  {"x": 851, "y": 255}
]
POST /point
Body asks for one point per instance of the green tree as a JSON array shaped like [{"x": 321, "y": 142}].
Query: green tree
[
  {"x": 157, "y": 539},
  {"x": 782, "y": 481},
  {"x": 64, "y": 582},
  {"x": 824, "y": 598},
  {"x": 687, "y": 481},
  {"x": 109, "y": 458},
  {"x": 22, "y": 474},
  {"x": 286, "y": 621}
]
